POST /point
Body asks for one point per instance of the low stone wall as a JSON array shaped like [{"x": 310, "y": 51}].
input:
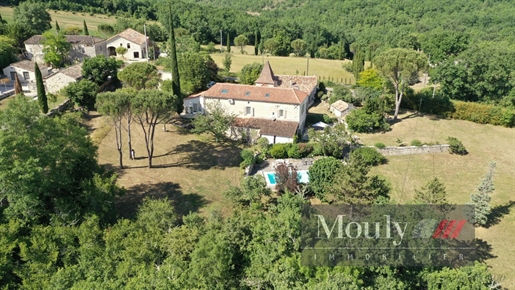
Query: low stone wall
[
  {"x": 6, "y": 94},
  {"x": 65, "y": 105},
  {"x": 391, "y": 150}
]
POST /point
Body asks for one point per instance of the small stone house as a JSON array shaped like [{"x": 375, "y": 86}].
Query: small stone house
[
  {"x": 135, "y": 43},
  {"x": 26, "y": 73},
  {"x": 339, "y": 108},
  {"x": 57, "y": 81}
]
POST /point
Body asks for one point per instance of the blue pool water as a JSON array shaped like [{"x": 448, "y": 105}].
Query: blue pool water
[{"x": 303, "y": 177}]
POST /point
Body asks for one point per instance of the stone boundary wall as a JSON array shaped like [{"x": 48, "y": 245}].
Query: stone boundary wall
[
  {"x": 65, "y": 105},
  {"x": 391, "y": 150},
  {"x": 6, "y": 94}
]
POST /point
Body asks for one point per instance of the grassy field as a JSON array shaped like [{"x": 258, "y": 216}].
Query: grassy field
[
  {"x": 67, "y": 19},
  {"x": 323, "y": 68},
  {"x": 192, "y": 170},
  {"x": 461, "y": 174}
]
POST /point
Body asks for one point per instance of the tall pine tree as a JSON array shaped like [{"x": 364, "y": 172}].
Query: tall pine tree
[
  {"x": 42, "y": 100},
  {"x": 228, "y": 42},
  {"x": 17, "y": 85},
  {"x": 256, "y": 42},
  {"x": 86, "y": 32},
  {"x": 176, "y": 83},
  {"x": 481, "y": 199}
]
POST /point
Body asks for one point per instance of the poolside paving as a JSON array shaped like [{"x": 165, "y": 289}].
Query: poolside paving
[{"x": 267, "y": 166}]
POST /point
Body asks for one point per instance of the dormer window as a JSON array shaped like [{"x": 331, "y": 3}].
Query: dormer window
[{"x": 224, "y": 91}]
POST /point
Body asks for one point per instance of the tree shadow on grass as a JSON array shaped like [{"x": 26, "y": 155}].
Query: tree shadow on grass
[
  {"x": 483, "y": 250},
  {"x": 498, "y": 212},
  {"x": 127, "y": 205},
  {"x": 202, "y": 155}
]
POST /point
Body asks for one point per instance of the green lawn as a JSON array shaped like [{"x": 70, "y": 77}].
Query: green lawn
[{"x": 461, "y": 174}]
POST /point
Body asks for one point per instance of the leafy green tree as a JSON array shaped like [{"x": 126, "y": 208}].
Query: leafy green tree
[
  {"x": 42, "y": 100},
  {"x": 34, "y": 15},
  {"x": 398, "y": 65},
  {"x": 353, "y": 185},
  {"x": 241, "y": 40},
  {"x": 481, "y": 199},
  {"x": 121, "y": 50},
  {"x": 140, "y": 75},
  {"x": 83, "y": 93},
  {"x": 187, "y": 43},
  {"x": 54, "y": 178},
  {"x": 227, "y": 61},
  {"x": 286, "y": 178},
  {"x": 196, "y": 71},
  {"x": 299, "y": 47},
  {"x": 106, "y": 29},
  {"x": 151, "y": 107},
  {"x": 362, "y": 121},
  {"x": 215, "y": 120},
  {"x": 440, "y": 44},
  {"x": 114, "y": 105},
  {"x": 333, "y": 139},
  {"x": 472, "y": 277},
  {"x": 432, "y": 193},
  {"x": 250, "y": 73},
  {"x": 322, "y": 173},
  {"x": 100, "y": 69},
  {"x": 271, "y": 45},
  {"x": 19, "y": 32},
  {"x": 370, "y": 79},
  {"x": 7, "y": 51},
  {"x": 85, "y": 29},
  {"x": 56, "y": 48},
  {"x": 251, "y": 191}
]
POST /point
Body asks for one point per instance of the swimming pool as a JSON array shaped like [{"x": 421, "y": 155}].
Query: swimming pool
[{"x": 302, "y": 175}]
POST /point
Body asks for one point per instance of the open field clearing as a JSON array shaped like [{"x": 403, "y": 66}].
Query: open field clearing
[{"x": 460, "y": 174}]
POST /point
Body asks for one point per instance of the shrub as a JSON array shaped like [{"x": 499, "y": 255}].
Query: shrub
[
  {"x": 321, "y": 175},
  {"x": 416, "y": 143},
  {"x": 437, "y": 105},
  {"x": 293, "y": 151},
  {"x": 305, "y": 149},
  {"x": 317, "y": 150},
  {"x": 262, "y": 143},
  {"x": 329, "y": 120},
  {"x": 483, "y": 113},
  {"x": 379, "y": 145},
  {"x": 456, "y": 147},
  {"x": 369, "y": 155},
  {"x": 248, "y": 158},
  {"x": 340, "y": 93},
  {"x": 362, "y": 122},
  {"x": 279, "y": 150}
]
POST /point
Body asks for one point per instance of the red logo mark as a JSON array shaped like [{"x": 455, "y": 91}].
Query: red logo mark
[{"x": 448, "y": 227}]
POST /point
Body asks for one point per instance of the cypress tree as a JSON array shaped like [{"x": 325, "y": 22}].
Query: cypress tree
[
  {"x": 256, "y": 42},
  {"x": 176, "y": 84},
  {"x": 42, "y": 100},
  {"x": 2, "y": 21},
  {"x": 57, "y": 28},
  {"x": 86, "y": 32},
  {"x": 228, "y": 42},
  {"x": 17, "y": 85},
  {"x": 358, "y": 63}
]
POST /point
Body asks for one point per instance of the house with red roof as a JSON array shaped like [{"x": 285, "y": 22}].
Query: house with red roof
[
  {"x": 135, "y": 42},
  {"x": 275, "y": 108}
]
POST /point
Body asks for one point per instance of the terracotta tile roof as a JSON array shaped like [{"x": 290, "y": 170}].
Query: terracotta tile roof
[
  {"x": 256, "y": 94},
  {"x": 267, "y": 76},
  {"x": 74, "y": 71},
  {"x": 73, "y": 39},
  {"x": 340, "y": 105},
  {"x": 304, "y": 84},
  {"x": 269, "y": 127},
  {"x": 26, "y": 65},
  {"x": 132, "y": 35},
  {"x": 195, "y": 95}
]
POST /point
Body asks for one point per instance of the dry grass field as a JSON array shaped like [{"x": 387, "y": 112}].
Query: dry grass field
[
  {"x": 460, "y": 174},
  {"x": 193, "y": 171},
  {"x": 323, "y": 68},
  {"x": 67, "y": 19}
]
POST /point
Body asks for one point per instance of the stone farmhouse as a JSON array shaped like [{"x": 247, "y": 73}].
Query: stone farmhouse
[
  {"x": 275, "y": 108},
  {"x": 135, "y": 42},
  {"x": 60, "y": 79},
  {"x": 26, "y": 73},
  {"x": 82, "y": 46}
]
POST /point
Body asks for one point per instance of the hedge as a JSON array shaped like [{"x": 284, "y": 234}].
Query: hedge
[{"x": 483, "y": 113}]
